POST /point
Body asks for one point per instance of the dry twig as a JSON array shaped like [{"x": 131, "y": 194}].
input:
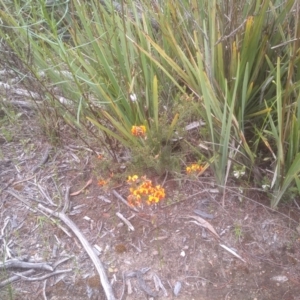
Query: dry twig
[
  {"x": 123, "y": 200},
  {"x": 67, "y": 200},
  {"x": 9, "y": 191},
  {"x": 139, "y": 275},
  {"x": 232, "y": 252},
  {"x": 85, "y": 186},
  {"x": 130, "y": 226}
]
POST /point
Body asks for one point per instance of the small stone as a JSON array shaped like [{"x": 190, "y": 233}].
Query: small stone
[{"x": 280, "y": 278}]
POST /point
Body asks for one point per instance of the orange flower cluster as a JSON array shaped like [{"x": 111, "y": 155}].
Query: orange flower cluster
[
  {"x": 194, "y": 168},
  {"x": 142, "y": 189},
  {"x": 138, "y": 130}
]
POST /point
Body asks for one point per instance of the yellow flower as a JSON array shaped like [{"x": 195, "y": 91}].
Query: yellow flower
[
  {"x": 138, "y": 130},
  {"x": 152, "y": 199},
  {"x": 193, "y": 168},
  {"x": 132, "y": 179}
]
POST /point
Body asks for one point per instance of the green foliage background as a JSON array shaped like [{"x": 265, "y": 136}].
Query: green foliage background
[{"x": 234, "y": 65}]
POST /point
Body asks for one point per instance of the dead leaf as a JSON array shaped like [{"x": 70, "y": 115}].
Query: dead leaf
[
  {"x": 232, "y": 252},
  {"x": 86, "y": 185},
  {"x": 205, "y": 224}
]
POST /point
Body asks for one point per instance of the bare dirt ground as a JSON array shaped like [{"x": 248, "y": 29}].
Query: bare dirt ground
[{"x": 168, "y": 255}]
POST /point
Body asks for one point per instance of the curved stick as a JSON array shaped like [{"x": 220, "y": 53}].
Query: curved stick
[{"x": 98, "y": 264}]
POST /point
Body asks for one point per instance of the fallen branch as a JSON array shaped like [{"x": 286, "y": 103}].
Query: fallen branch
[
  {"x": 15, "y": 263},
  {"x": 98, "y": 264},
  {"x": 43, "y": 277},
  {"x": 15, "y": 278}
]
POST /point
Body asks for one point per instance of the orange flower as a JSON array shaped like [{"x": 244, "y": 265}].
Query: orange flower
[
  {"x": 102, "y": 182},
  {"x": 138, "y": 131},
  {"x": 134, "y": 200}
]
